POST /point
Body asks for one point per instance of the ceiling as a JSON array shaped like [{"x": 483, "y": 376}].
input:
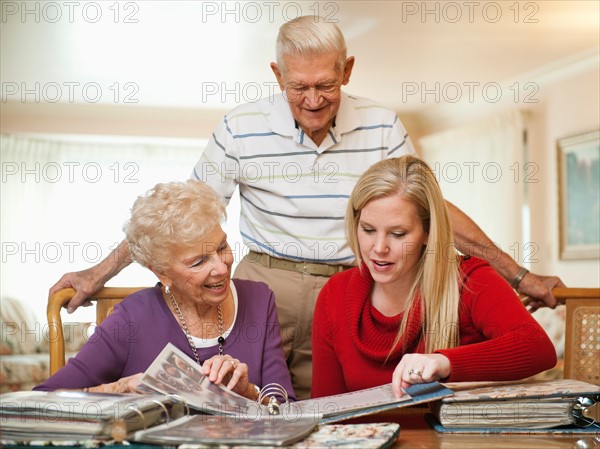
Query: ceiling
[{"x": 212, "y": 55}]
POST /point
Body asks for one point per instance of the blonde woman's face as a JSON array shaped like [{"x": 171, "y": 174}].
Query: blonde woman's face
[
  {"x": 391, "y": 239},
  {"x": 201, "y": 272}
]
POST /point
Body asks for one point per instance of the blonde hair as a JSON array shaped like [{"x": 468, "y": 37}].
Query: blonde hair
[
  {"x": 171, "y": 215},
  {"x": 309, "y": 35},
  {"x": 436, "y": 282}
]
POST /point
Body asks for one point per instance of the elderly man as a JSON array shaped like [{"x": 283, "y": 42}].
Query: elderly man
[{"x": 295, "y": 158}]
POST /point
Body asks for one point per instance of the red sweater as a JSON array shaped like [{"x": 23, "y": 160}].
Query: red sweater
[{"x": 499, "y": 340}]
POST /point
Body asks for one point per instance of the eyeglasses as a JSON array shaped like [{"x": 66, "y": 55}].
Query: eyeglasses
[{"x": 295, "y": 92}]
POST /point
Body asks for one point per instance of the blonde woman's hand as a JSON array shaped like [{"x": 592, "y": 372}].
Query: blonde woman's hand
[
  {"x": 224, "y": 369},
  {"x": 129, "y": 384},
  {"x": 418, "y": 369}
]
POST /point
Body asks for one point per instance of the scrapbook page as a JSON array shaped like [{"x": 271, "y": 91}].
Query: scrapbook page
[{"x": 173, "y": 372}]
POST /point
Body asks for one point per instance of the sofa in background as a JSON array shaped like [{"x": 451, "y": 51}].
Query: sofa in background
[{"x": 24, "y": 345}]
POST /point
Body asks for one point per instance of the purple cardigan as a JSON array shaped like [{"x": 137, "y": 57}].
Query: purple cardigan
[{"x": 129, "y": 340}]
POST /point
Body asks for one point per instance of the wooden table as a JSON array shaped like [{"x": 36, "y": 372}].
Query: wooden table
[
  {"x": 430, "y": 439},
  {"x": 416, "y": 433}
]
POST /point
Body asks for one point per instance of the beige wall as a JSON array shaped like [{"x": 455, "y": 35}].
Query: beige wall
[
  {"x": 567, "y": 103},
  {"x": 566, "y": 108},
  {"x": 101, "y": 119}
]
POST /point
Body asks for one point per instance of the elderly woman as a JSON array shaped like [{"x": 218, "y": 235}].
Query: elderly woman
[
  {"x": 228, "y": 326},
  {"x": 414, "y": 310}
]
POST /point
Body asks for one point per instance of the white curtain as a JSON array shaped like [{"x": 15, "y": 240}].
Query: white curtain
[
  {"x": 482, "y": 169},
  {"x": 64, "y": 202}
]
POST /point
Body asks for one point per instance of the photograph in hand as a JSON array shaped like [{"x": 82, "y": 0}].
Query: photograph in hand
[{"x": 192, "y": 386}]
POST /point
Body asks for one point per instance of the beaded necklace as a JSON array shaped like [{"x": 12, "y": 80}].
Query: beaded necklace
[{"x": 220, "y": 326}]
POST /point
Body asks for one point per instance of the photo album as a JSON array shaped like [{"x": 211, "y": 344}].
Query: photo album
[{"x": 553, "y": 406}]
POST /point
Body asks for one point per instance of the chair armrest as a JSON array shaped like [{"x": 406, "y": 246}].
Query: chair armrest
[
  {"x": 55, "y": 327},
  {"x": 563, "y": 293}
]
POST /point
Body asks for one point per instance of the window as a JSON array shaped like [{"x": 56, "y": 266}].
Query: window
[
  {"x": 64, "y": 202},
  {"x": 482, "y": 169}
]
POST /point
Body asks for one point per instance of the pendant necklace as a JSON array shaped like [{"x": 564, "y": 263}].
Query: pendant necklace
[{"x": 220, "y": 340}]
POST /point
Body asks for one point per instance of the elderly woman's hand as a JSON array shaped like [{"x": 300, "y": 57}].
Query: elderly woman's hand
[
  {"x": 418, "y": 369},
  {"x": 128, "y": 384},
  {"x": 222, "y": 369}
]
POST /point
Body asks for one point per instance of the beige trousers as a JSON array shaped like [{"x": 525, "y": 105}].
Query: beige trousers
[{"x": 295, "y": 295}]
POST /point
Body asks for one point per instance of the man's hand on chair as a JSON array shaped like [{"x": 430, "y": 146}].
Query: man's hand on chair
[
  {"x": 86, "y": 282},
  {"x": 90, "y": 281},
  {"x": 539, "y": 290}
]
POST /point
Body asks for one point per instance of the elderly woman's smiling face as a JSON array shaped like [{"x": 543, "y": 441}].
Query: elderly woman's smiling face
[{"x": 201, "y": 272}]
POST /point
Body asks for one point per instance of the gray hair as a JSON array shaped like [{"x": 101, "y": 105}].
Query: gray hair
[
  {"x": 309, "y": 35},
  {"x": 169, "y": 216}
]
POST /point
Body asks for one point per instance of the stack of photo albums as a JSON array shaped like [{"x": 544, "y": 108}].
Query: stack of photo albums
[{"x": 182, "y": 406}]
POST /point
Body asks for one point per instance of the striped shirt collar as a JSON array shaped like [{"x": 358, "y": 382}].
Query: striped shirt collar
[{"x": 283, "y": 123}]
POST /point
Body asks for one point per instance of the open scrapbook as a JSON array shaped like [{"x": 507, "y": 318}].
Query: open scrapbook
[{"x": 199, "y": 393}]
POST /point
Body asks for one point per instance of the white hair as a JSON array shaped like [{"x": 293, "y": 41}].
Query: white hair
[{"x": 309, "y": 35}]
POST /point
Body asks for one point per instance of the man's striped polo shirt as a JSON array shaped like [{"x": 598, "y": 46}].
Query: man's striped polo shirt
[{"x": 293, "y": 194}]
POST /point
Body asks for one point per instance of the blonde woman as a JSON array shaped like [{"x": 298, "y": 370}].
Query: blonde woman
[{"x": 414, "y": 310}]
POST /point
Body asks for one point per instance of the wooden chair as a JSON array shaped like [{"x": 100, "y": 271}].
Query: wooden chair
[
  {"x": 582, "y": 333},
  {"x": 105, "y": 300}
]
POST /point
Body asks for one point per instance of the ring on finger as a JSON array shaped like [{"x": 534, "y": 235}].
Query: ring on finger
[
  {"x": 417, "y": 372},
  {"x": 233, "y": 364}
]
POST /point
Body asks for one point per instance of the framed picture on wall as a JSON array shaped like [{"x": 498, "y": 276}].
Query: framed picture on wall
[{"x": 579, "y": 196}]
